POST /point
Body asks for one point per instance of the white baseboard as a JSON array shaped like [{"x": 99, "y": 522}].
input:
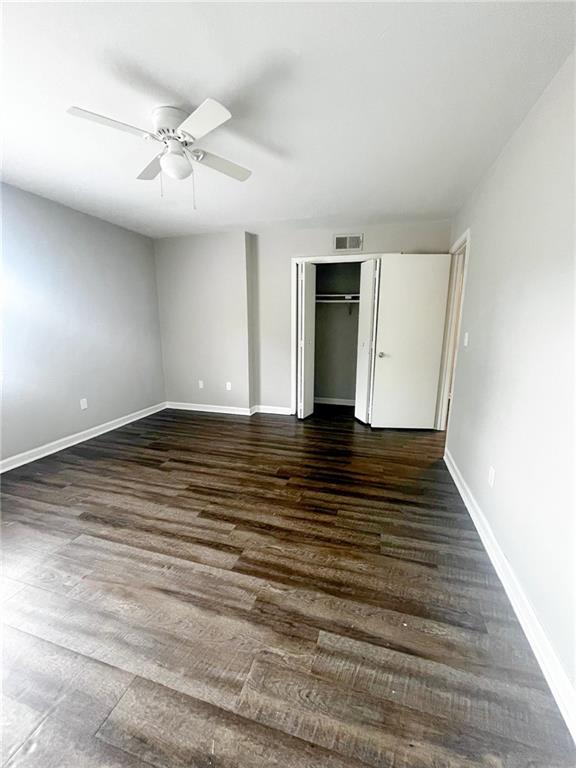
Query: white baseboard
[
  {"x": 281, "y": 410},
  {"x": 334, "y": 401},
  {"x": 562, "y": 689},
  {"x": 229, "y": 409},
  {"x": 79, "y": 437}
]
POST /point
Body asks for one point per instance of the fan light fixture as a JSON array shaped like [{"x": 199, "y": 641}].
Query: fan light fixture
[{"x": 174, "y": 162}]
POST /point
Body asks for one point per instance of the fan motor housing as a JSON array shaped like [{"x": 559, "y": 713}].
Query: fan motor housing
[{"x": 167, "y": 119}]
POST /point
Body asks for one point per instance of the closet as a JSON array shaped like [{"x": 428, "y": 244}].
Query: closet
[
  {"x": 337, "y": 307},
  {"x": 372, "y": 332}
]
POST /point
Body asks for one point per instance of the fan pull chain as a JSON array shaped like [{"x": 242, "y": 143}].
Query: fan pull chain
[
  {"x": 193, "y": 190},
  {"x": 161, "y": 184}
]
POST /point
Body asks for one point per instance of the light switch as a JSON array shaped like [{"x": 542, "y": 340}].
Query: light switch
[
  {"x": 228, "y": 385},
  {"x": 83, "y": 404},
  {"x": 200, "y": 384},
  {"x": 466, "y": 339}
]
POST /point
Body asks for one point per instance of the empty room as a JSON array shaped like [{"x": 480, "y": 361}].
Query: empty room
[{"x": 288, "y": 390}]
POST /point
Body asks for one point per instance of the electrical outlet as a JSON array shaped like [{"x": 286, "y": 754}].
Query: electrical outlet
[
  {"x": 200, "y": 384},
  {"x": 466, "y": 339},
  {"x": 491, "y": 476},
  {"x": 83, "y": 404},
  {"x": 228, "y": 385}
]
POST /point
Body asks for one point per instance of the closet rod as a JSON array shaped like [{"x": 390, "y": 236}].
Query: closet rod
[
  {"x": 337, "y": 301},
  {"x": 338, "y": 298}
]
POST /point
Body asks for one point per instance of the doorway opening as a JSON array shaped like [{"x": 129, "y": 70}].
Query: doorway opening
[
  {"x": 336, "y": 338},
  {"x": 332, "y": 363}
]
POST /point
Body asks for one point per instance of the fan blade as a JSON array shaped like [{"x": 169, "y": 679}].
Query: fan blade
[
  {"x": 95, "y": 118},
  {"x": 151, "y": 171},
  {"x": 209, "y": 115},
  {"x": 221, "y": 164}
]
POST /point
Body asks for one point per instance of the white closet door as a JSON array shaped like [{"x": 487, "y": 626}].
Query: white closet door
[
  {"x": 366, "y": 332},
  {"x": 306, "y": 337},
  {"x": 409, "y": 335}
]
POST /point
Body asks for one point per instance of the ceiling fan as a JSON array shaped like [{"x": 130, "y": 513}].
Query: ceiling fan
[{"x": 177, "y": 134}]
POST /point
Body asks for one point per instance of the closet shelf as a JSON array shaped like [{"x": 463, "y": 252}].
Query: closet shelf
[{"x": 338, "y": 298}]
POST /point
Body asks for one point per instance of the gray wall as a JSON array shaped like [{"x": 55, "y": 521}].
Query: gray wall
[
  {"x": 79, "y": 319},
  {"x": 276, "y": 248},
  {"x": 335, "y": 351},
  {"x": 202, "y": 293},
  {"x": 251, "y": 246},
  {"x": 514, "y": 391}
]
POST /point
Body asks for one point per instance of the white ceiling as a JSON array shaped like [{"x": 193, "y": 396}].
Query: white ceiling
[{"x": 359, "y": 111}]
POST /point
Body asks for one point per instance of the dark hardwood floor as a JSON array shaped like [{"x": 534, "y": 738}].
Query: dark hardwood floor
[{"x": 203, "y": 590}]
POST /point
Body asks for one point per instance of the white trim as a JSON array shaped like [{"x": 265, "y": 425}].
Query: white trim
[
  {"x": 205, "y": 408},
  {"x": 342, "y": 257},
  {"x": 293, "y": 334},
  {"x": 334, "y": 401},
  {"x": 299, "y": 340},
  {"x": 337, "y": 258},
  {"x": 460, "y": 246},
  {"x": 280, "y": 410},
  {"x": 462, "y": 242},
  {"x": 562, "y": 689},
  {"x": 454, "y": 311},
  {"x": 79, "y": 437}
]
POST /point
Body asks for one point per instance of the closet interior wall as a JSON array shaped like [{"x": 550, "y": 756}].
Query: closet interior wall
[{"x": 336, "y": 333}]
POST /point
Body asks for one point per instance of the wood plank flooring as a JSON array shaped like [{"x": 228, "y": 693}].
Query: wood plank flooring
[{"x": 228, "y": 592}]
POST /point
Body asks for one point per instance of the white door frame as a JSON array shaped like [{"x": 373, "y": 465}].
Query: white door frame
[
  {"x": 306, "y": 338},
  {"x": 332, "y": 259},
  {"x": 460, "y": 251}
]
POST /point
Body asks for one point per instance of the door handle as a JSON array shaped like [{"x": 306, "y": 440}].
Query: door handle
[{"x": 381, "y": 354}]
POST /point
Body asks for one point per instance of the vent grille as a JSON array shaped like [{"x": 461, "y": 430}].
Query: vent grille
[{"x": 348, "y": 242}]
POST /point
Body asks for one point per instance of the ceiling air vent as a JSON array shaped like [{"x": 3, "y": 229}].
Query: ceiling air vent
[{"x": 348, "y": 242}]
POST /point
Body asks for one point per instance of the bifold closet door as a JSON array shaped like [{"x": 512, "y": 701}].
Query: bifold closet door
[
  {"x": 366, "y": 331},
  {"x": 409, "y": 336},
  {"x": 306, "y": 338}
]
